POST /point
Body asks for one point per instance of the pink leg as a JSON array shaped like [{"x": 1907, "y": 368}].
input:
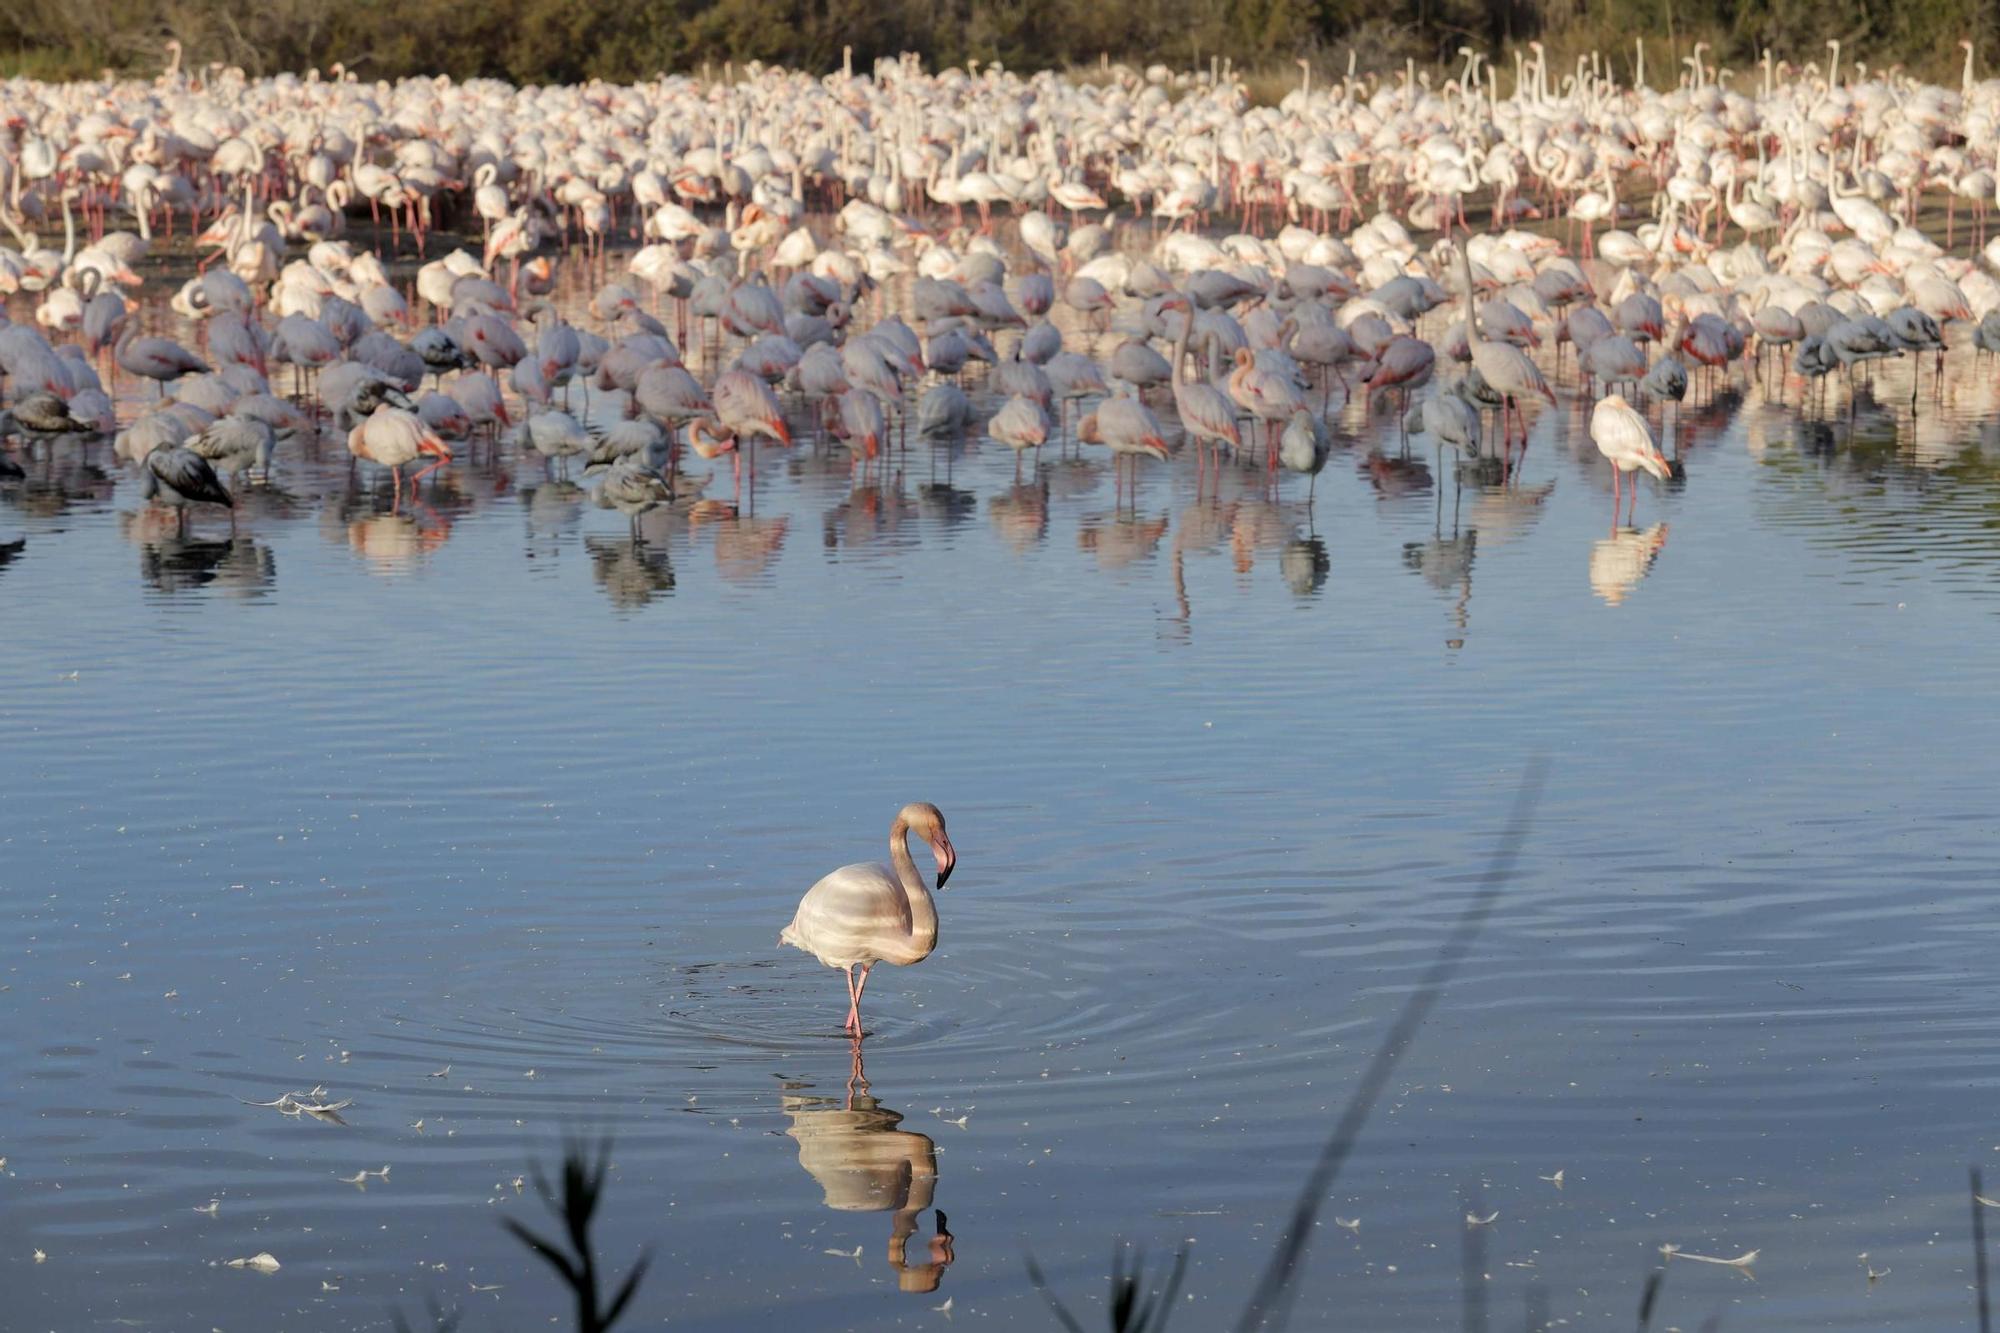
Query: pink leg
[
  {"x": 866, "y": 968},
  {"x": 853, "y": 1002}
]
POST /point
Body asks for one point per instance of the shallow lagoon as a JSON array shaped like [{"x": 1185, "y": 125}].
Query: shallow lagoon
[{"x": 485, "y": 817}]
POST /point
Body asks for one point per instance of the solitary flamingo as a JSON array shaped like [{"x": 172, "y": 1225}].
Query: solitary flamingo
[{"x": 864, "y": 914}]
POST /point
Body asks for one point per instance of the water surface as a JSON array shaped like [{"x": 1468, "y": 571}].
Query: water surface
[{"x": 484, "y": 816}]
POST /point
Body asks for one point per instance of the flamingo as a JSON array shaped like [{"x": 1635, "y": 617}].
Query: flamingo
[
  {"x": 1505, "y": 367},
  {"x": 859, "y": 421},
  {"x": 746, "y": 408},
  {"x": 1205, "y": 411},
  {"x": 1592, "y": 207},
  {"x": 178, "y": 476},
  {"x": 1128, "y": 429},
  {"x": 393, "y": 438},
  {"x": 633, "y": 488},
  {"x": 863, "y": 914},
  {"x": 1266, "y": 395},
  {"x": 1623, "y": 437},
  {"x": 238, "y": 443},
  {"x": 1304, "y": 447},
  {"x": 156, "y": 359},
  {"x": 1020, "y": 425}
]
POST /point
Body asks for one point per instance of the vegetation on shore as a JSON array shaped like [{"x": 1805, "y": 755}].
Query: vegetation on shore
[{"x": 541, "y": 41}]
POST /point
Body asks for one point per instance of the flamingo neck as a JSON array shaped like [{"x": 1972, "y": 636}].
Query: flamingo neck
[
  {"x": 1471, "y": 314},
  {"x": 923, "y": 911}
]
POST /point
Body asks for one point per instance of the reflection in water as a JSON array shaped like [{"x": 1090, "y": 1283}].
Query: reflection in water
[
  {"x": 1396, "y": 478},
  {"x": 1305, "y": 565},
  {"x": 1619, "y": 561},
  {"x": 1446, "y": 564},
  {"x": 865, "y": 1164},
  {"x": 1120, "y": 540},
  {"x": 632, "y": 573},
  {"x": 172, "y": 562},
  {"x": 53, "y": 485},
  {"x": 946, "y": 503},
  {"x": 552, "y": 510},
  {"x": 1020, "y": 515},
  {"x": 745, "y": 548},
  {"x": 239, "y": 566},
  {"x": 1503, "y": 513},
  {"x": 869, "y": 516},
  {"x": 392, "y": 541},
  {"x": 1257, "y": 525},
  {"x": 9, "y": 550}
]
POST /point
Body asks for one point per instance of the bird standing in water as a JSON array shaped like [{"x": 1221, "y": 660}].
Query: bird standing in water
[
  {"x": 861, "y": 915},
  {"x": 1623, "y": 437}
]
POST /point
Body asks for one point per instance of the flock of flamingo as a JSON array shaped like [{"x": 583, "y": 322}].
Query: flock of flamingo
[{"x": 829, "y": 246}]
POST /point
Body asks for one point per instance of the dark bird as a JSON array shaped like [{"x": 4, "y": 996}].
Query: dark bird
[
  {"x": 440, "y": 351},
  {"x": 178, "y": 476},
  {"x": 42, "y": 413}
]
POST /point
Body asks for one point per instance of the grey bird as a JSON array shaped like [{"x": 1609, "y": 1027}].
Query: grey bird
[{"x": 179, "y": 477}]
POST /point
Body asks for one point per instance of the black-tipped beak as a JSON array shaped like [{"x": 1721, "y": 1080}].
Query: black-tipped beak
[
  {"x": 944, "y": 873},
  {"x": 947, "y": 858}
]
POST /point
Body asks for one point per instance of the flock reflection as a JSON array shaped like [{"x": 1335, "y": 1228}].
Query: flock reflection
[
  {"x": 864, "y": 1161},
  {"x": 1857, "y": 471}
]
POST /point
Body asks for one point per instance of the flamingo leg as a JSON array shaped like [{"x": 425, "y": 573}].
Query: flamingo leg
[
  {"x": 853, "y": 1002},
  {"x": 866, "y": 968}
]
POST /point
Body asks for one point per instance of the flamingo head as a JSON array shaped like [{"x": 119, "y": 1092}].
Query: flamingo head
[
  {"x": 927, "y": 821},
  {"x": 708, "y": 438}
]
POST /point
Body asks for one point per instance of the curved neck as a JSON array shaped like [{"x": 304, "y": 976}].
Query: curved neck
[
  {"x": 1471, "y": 315},
  {"x": 923, "y": 912}
]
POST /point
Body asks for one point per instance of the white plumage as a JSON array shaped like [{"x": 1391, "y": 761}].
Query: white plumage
[
  {"x": 1623, "y": 437},
  {"x": 864, "y": 914}
]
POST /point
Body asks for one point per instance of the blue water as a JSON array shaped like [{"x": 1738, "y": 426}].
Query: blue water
[{"x": 482, "y": 815}]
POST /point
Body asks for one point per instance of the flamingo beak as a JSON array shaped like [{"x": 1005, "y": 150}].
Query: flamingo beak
[{"x": 946, "y": 858}]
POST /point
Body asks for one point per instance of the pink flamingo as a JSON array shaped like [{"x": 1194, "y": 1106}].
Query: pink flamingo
[
  {"x": 861, "y": 915},
  {"x": 1623, "y": 437},
  {"x": 392, "y": 438},
  {"x": 156, "y": 359},
  {"x": 1205, "y": 411},
  {"x": 1266, "y": 395},
  {"x": 1021, "y": 425},
  {"x": 1128, "y": 428}
]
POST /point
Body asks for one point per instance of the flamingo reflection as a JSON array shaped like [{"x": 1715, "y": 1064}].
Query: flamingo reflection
[
  {"x": 1620, "y": 561},
  {"x": 853, "y": 1147}
]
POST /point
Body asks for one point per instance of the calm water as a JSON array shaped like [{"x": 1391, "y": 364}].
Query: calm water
[{"x": 485, "y": 818}]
